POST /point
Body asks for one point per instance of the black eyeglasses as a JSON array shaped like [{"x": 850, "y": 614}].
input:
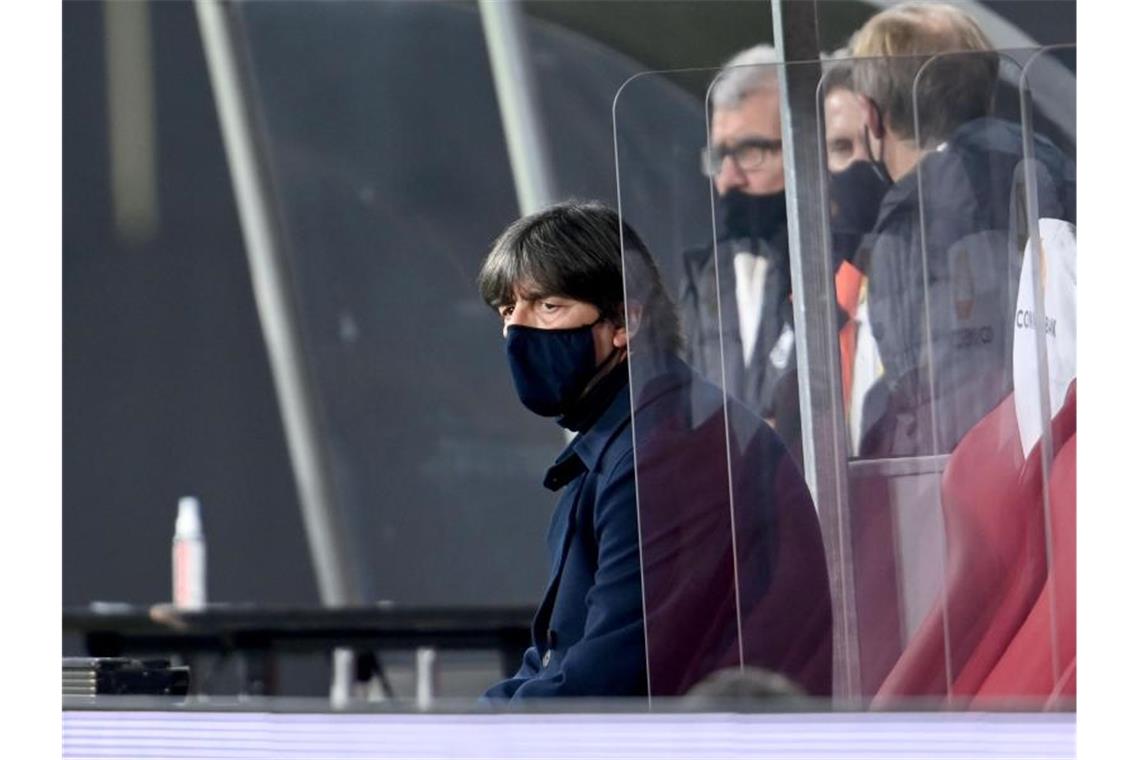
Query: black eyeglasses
[{"x": 748, "y": 154}]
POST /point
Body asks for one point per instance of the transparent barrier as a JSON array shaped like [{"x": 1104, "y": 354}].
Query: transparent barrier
[
  {"x": 1039, "y": 661},
  {"x": 733, "y": 570},
  {"x": 956, "y": 564},
  {"x": 964, "y": 486}
]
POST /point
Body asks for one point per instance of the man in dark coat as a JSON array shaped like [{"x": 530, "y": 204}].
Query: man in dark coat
[{"x": 684, "y": 540}]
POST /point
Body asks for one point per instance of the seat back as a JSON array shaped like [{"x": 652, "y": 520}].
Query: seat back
[
  {"x": 995, "y": 559},
  {"x": 1028, "y": 669}
]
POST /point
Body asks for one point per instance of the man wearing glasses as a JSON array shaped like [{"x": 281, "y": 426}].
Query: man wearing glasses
[{"x": 754, "y": 319}]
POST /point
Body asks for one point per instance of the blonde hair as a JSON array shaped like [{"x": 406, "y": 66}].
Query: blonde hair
[
  {"x": 918, "y": 29},
  {"x": 895, "y": 44}
]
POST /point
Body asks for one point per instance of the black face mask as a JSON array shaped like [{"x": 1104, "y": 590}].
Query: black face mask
[
  {"x": 856, "y": 193},
  {"x": 754, "y": 217},
  {"x": 551, "y": 368}
]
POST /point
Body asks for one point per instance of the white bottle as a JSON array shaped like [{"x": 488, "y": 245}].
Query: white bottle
[{"x": 189, "y": 556}]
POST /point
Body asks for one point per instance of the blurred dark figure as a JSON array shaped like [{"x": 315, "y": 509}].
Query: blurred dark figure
[
  {"x": 743, "y": 688},
  {"x": 946, "y": 255},
  {"x": 856, "y": 190},
  {"x": 748, "y": 306}
]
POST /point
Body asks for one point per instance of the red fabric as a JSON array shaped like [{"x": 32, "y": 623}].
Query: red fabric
[
  {"x": 1066, "y": 690},
  {"x": 996, "y": 568},
  {"x": 1026, "y": 669}
]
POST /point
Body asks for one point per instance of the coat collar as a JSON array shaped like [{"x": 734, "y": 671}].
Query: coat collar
[{"x": 584, "y": 453}]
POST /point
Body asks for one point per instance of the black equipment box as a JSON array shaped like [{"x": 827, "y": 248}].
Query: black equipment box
[{"x": 92, "y": 676}]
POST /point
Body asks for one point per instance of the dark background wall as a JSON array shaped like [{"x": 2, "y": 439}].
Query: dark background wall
[{"x": 166, "y": 385}]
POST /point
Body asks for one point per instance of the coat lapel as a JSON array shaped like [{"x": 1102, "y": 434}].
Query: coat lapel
[{"x": 558, "y": 540}]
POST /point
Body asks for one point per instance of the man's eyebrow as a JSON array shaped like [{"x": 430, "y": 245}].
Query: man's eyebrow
[
  {"x": 754, "y": 141},
  {"x": 534, "y": 295},
  {"x": 758, "y": 140}
]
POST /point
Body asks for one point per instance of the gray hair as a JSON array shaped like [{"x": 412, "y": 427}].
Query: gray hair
[{"x": 747, "y": 72}]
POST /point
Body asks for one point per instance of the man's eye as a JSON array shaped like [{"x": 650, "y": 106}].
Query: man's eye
[
  {"x": 548, "y": 307},
  {"x": 506, "y": 311},
  {"x": 841, "y": 146},
  {"x": 748, "y": 154}
]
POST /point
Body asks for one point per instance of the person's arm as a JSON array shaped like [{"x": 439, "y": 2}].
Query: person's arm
[
  {"x": 895, "y": 298},
  {"x": 507, "y": 688},
  {"x": 609, "y": 659}
]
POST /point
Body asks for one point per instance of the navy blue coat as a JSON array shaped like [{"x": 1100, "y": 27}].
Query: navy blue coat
[
  {"x": 589, "y": 632},
  {"x": 708, "y": 568}
]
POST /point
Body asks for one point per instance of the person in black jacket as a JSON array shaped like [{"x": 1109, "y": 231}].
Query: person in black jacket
[
  {"x": 684, "y": 540},
  {"x": 946, "y": 254}
]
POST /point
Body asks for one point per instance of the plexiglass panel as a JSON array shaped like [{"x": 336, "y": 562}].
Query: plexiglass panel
[
  {"x": 1039, "y": 663},
  {"x": 734, "y": 576},
  {"x": 946, "y": 480},
  {"x": 954, "y": 528},
  {"x": 782, "y": 578}
]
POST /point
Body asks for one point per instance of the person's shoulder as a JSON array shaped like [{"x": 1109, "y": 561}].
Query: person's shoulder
[
  {"x": 987, "y": 146},
  {"x": 694, "y": 261},
  {"x": 899, "y": 202}
]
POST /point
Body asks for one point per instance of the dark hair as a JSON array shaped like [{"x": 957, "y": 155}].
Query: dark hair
[
  {"x": 574, "y": 249},
  {"x": 838, "y": 74}
]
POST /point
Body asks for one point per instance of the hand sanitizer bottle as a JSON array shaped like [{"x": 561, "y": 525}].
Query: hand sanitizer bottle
[{"x": 189, "y": 556}]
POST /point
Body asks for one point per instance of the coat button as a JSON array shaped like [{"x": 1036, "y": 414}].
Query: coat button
[{"x": 546, "y": 658}]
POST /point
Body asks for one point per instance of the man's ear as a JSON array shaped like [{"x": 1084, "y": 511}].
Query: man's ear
[
  {"x": 873, "y": 117},
  {"x": 624, "y": 332}
]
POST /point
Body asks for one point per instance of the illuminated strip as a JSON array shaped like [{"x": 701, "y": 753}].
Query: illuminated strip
[{"x": 283, "y": 736}]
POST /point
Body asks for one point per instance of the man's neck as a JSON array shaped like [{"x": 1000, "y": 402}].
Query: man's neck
[{"x": 900, "y": 155}]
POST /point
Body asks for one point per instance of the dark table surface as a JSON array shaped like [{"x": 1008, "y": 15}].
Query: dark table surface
[
  {"x": 116, "y": 629},
  {"x": 257, "y": 634}
]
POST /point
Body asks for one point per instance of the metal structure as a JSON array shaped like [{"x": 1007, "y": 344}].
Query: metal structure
[
  {"x": 332, "y": 556},
  {"x": 796, "y": 30},
  {"x": 512, "y": 71}
]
